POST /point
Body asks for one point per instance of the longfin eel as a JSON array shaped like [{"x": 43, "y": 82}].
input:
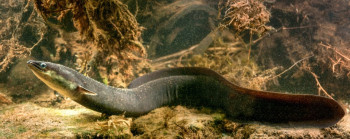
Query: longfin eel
[{"x": 194, "y": 87}]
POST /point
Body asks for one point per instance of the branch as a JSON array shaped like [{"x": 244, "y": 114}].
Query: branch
[
  {"x": 328, "y": 46},
  {"x": 320, "y": 88},
  {"x": 291, "y": 67}
]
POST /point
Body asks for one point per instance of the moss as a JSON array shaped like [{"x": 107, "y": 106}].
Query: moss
[
  {"x": 218, "y": 117},
  {"x": 81, "y": 131},
  {"x": 14, "y": 130},
  {"x": 28, "y": 118},
  {"x": 32, "y": 121},
  {"x": 46, "y": 133},
  {"x": 7, "y": 109},
  {"x": 7, "y": 134},
  {"x": 21, "y": 129}
]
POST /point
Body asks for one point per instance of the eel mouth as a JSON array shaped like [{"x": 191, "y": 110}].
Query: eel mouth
[{"x": 34, "y": 65}]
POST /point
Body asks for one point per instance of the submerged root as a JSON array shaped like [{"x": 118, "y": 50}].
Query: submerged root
[
  {"x": 10, "y": 50},
  {"x": 113, "y": 29},
  {"x": 115, "y": 126},
  {"x": 245, "y": 15}
]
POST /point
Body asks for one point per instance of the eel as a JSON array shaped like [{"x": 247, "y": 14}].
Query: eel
[{"x": 192, "y": 87}]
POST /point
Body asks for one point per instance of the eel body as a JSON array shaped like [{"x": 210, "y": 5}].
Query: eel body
[{"x": 195, "y": 87}]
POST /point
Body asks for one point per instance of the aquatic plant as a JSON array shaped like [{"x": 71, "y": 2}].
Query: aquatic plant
[
  {"x": 243, "y": 16},
  {"x": 20, "y": 31},
  {"x": 227, "y": 49},
  {"x": 303, "y": 30},
  {"x": 116, "y": 51},
  {"x": 246, "y": 15},
  {"x": 10, "y": 50}
]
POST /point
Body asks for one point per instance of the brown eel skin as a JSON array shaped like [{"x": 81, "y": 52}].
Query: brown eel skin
[{"x": 194, "y": 87}]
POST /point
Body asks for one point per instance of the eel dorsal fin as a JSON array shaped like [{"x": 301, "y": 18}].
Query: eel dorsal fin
[{"x": 172, "y": 72}]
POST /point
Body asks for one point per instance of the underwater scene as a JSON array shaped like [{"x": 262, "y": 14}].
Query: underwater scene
[{"x": 174, "y": 69}]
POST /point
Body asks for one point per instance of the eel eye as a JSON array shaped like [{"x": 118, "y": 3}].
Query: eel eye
[{"x": 43, "y": 65}]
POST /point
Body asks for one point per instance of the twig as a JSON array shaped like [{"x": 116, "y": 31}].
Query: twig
[
  {"x": 233, "y": 49},
  {"x": 320, "y": 88},
  {"x": 183, "y": 52},
  {"x": 290, "y": 28},
  {"x": 136, "y": 7},
  {"x": 278, "y": 30},
  {"x": 250, "y": 44},
  {"x": 335, "y": 63},
  {"x": 199, "y": 48},
  {"x": 291, "y": 67},
  {"x": 41, "y": 38},
  {"x": 328, "y": 46}
]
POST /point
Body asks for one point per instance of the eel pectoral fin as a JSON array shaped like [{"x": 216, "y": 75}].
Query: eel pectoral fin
[{"x": 84, "y": 91}]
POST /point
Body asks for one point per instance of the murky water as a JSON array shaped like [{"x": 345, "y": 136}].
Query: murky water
[{"x": 295, "y": 47}]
